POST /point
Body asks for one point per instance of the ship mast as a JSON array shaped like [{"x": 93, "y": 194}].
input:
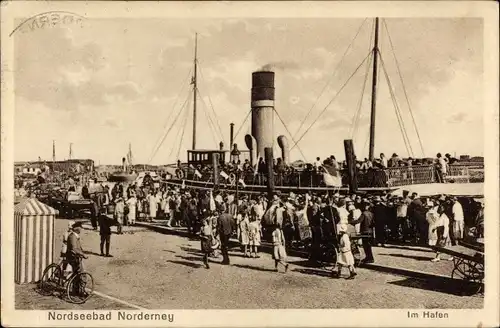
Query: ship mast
[
  {"x": 195, "y": 89},
  {"x": 374, "y": 93}
]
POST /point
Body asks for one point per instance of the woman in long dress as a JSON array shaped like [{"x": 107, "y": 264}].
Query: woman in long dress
[
  {"x": 206, "y": 235},
  {"x": 244, "y": 231},
  {"x": 432, "y": 218},
  {"x": 132, "y": 206},
  {"x": 301, "y": 219},
  {"x": 254, "y": 236},
  {"x": 442, "y": 231},
  {"x": 153, "y": 202}
]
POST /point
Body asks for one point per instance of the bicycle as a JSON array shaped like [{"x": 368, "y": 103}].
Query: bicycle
[
  {"x": 79, "y": 285},
  {"x": 355, "y": 249},
  {"x": 328, "y": 252}
]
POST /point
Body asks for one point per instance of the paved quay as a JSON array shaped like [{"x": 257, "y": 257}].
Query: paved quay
[{"x": 155, "y": 270}]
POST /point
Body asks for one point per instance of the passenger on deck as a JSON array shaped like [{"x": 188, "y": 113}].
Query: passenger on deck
[{"x": 383, "y": 161}]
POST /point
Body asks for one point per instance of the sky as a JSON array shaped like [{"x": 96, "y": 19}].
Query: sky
[{"x": 112, "y": 82}]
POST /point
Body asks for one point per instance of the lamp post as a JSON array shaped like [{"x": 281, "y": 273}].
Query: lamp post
[{"x": 235, "y": 154}]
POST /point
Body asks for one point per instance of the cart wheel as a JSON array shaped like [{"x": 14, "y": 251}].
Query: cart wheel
[
  {"x": 460, "y": 271},
  {"x": 476, "y": 275},
  {"x": 51, "y": 279},
  {"x": 80, "y": 288},
  {"x": 476, "y": 272}
]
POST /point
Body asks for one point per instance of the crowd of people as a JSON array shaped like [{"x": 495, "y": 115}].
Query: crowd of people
[{"x": 293, "y": 221}]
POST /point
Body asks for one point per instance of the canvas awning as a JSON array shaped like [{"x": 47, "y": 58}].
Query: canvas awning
[
  {"x": 33, "y": 207},
  {"x": 434, "y": 189}
]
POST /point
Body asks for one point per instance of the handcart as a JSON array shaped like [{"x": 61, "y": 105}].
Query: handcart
[{"x": 469, "y": 268}]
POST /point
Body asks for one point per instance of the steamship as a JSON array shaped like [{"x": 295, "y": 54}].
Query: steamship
[
  {"x": 260, "y": 142},
  {"x": 126, "y": 174}
]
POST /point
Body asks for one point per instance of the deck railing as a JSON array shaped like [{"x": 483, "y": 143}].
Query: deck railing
[{"x": 390, "y": 177}]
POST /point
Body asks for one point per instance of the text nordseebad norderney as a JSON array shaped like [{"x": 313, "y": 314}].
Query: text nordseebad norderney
[{"x": 106, "y": 316}]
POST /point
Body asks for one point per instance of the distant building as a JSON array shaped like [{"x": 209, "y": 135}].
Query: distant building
[{"x": 69, "y": 166}]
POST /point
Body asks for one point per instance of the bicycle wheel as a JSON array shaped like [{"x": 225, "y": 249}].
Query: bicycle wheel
[
  {"x": 80, "y": 287},
  {"x": 330, "y": 257},
  {"x": 356, "y": 253},
  {"x": 51, "y": 279},
  {"x": 334, "y": 255}
]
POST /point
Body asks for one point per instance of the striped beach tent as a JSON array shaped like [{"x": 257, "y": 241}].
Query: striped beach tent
[{"x": 34, "y": 239}]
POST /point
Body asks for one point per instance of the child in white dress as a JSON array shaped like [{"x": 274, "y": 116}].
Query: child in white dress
[
  {"x": 346, "y": 259},
  {"x": 279, "y": 251}
]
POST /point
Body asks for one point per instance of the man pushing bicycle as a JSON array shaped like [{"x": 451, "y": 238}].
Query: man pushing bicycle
[{"x": 74, "y": 253}]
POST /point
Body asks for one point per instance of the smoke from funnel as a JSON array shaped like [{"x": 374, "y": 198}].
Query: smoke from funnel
[{"x": 279, "y": 66}]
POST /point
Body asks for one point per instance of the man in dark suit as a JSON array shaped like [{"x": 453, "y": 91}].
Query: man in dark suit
[
  {"x": 417, "y": 215},
  {"x": 225, "y": 225},
  {"x": 105, "y": 223},
  {"x": 75, "y": 253},
  {"x": 380, "y": 220},
  {"x": 366, "y": 223}
]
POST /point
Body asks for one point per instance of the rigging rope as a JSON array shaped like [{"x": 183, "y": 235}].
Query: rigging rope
[
  {"x": 404, "y": 88},
  {"x": 209, "y": 118},
  {"x": 169, "y": 129},
  {"x": 183, "y": 130},
  {"x": 282, "y": 122},
  {"x": 330, "y": 80},
  {"x": 174, "y": 142},
  {"x": 334, "y": 97},
  {"x": 211, "y": 104},
  {"x": 211, "y": 126},
  {"x": 242, "y": 124},
  {"x": 396, "y": 109},
  {"x": 357, "y": 115},
  {"x": 183, "y": 85}
]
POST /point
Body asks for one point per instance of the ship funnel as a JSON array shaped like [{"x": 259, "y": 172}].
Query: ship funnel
[
  {"x": 252, "y": 147},
  {"x": 262, "y": 103},
  {"x": 285, "y": 149},
  {"x": 124, "y": 164}
]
